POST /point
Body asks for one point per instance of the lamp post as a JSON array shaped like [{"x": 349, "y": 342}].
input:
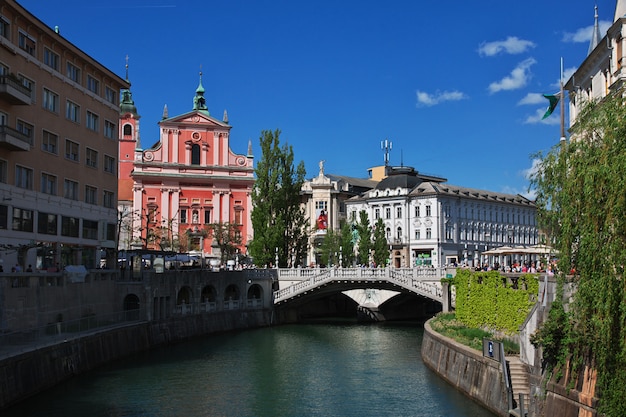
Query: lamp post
[{"x": 276, "y": 258}]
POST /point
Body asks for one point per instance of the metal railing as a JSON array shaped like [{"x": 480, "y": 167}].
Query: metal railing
[{"x": 23, "y": 340}]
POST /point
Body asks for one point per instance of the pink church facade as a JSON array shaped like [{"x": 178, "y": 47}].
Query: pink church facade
[{"x": 186, "y": 181}]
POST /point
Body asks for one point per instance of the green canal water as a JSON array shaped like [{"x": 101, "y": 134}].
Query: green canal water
[{"x": 320, "y": 369}]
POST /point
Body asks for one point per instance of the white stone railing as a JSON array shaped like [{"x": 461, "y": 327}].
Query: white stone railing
[{"x": 423, "y": 280}]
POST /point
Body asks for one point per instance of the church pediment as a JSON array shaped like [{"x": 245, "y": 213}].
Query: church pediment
[{"x": 197, "y": 118}]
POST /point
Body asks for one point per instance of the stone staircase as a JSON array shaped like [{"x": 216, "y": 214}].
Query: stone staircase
[{"x": 519, "y": 382}]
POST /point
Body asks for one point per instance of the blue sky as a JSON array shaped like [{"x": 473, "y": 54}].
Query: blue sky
[{"x": 455, "y": 86}]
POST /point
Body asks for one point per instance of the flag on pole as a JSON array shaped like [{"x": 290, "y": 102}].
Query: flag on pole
[{"x": 554, "y": 100}]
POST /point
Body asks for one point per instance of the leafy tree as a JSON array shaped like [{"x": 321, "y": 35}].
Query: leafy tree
[
  {"x": 364, "y": 231},
  {"x": 381, "y": 246},
  {"x": 346, "y": 247},
  {"x": 329, "y": 249},
  {"x": 277, "y": 217},
  {"x": 228, "y": 238},
  {"x": 581, "y": 198}
]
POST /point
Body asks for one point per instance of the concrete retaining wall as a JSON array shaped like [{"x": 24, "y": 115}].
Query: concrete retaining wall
[
  {"x": 469, "y": 372},
  {"x": 31, "y": 372}
]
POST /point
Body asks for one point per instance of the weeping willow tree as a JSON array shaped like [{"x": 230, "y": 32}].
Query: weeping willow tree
[{"x": 581, "y": 196}]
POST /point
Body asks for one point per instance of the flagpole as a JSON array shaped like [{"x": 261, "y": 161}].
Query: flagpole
[{"x": 562, "y": 105}]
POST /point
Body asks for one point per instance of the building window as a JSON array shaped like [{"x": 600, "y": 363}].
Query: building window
[
  {"x": 417, "y": 234},
  {"x": 28, "y": 83},
  {"x": 399, "y": 212},
  {"x": 428, "y": 213},
  {"x": 4, "y": 174},
  {"x": 48, "y": 184},
  {"x": 71, "y": 150},
  {"x": 110, "y": 95},
  {"x": 73, "y": 73},
  {"x": 49, "y": 142},
  {"x": 387, "y": 212},
  {"x": 449, "y": 233},
  {"x": 108, "y": 199},
  {"x": 69, "y": 226},
  {"x": 207, "y": 216},
  {"x": 72, "y": 111},
  {"x": 4, "y": 119},
  {"x": 111, "y": 228},
  {"x": 109, "y": 129},
  {"x": 92, "y": 121},
  {"x": 109, "y": 164},
  {"x": 4, "y": 217},
  {"x": 26, "y": 129},
  {"x": 429, "y": 233},
  {"x": 91, "y": 194},
  {"x": 93, "y": 85},
  {"x": 238, "y": 216},
  {"x": 90, "y": 229},
  {"x": 23, "y": 177},
  {"x": 376, "y": 213},
  {"x": 4, "y": 27},
  {"x": 26, "y": 43},
  {"x": 399, "y": 233},
  {"x": 51, "y": 59},
  {"x": 46, "y": 223},
  {"x": 50, "y": 101},
  {"x": 183, "y": 216},
  {"x": 91, "y": 158},
  {"x": 128, "y": 130},
  {"x": 22, "y": 220},
  {"x": 321, "y": 205},
  {"x": 195, "y": 154},
  {"x": 70, "y": 189}
]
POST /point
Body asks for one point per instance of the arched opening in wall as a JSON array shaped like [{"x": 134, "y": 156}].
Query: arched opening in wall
[
  {"x": 255, "y": 292},
  {"x": 209, "y": 294},
  {"x": 184, "y": 296},
  {"x": 231, "y": 293},
  {"x": 128, "y": 130},
  {"x": 131, "y": 307},
  {"x": 195, "y": 154}
]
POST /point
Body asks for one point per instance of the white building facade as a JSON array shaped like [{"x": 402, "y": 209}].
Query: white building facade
[{"x": 429, "y": 222}]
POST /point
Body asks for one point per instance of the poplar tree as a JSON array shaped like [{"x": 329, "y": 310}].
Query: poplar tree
[
  {"x": 581, "y": 198},
  {"x": 381, "y": 246},
  {"x": 278, "y": 220},
  {"x": 364, "y": 231}
]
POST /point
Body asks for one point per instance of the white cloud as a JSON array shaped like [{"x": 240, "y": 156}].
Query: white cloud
[
  {"x": 517, "y": 79},
  {"x": 532, "y": 98},
  {"x": 535, "y": 118},
  {"x": 427, "y": 100},
  {"x": 512, "y": 45},
  {"x": 584, "y": 34}
]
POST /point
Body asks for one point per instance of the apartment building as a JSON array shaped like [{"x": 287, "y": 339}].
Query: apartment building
[{"x": 59, "y": 112}]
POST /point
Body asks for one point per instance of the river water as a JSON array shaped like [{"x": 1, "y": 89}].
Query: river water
[{"x": 320, "y": 369}]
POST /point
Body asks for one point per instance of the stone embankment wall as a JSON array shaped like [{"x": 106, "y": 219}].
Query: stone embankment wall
[
  {"x": 468, "y": 371},
  {"x": 31, "y": 372}
]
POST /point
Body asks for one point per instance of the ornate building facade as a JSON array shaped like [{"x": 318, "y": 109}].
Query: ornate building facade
[
  {"x": 189, "y": 179},
  {"x": 430, "y": 222},
  {"x": 604, "y": 69}
]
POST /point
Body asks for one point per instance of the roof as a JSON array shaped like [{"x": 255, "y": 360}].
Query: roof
[{"x": 431, "y": 188}]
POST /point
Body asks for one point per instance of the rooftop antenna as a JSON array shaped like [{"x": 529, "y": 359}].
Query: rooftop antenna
[{"x": 386, "y": 146}]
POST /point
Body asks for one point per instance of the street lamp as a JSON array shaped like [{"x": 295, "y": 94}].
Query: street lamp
[
  {"x": 340, "y": 256},
  {"x": 276, "y": 257}
]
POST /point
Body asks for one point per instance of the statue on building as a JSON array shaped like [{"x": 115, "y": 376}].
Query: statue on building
[{"x": 322, "y": 168}]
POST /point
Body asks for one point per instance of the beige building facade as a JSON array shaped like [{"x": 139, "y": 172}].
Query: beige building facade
[{"x": 59, "y": 111}]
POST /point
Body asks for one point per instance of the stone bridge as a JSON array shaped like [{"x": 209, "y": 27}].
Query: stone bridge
[{"x": 296, "y": 284}]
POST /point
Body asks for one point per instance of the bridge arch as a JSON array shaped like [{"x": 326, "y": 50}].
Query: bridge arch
[
  {"x": 208, "y": 294},
  {"x": 255, "y": 291},
  {"x": 232, "y": 292}
]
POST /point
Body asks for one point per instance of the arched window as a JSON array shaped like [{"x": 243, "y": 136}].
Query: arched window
[
  {"x": 128, "y": 130},
  {"x": 399, "y": 233},
  {"x": 195, "y": 154}
]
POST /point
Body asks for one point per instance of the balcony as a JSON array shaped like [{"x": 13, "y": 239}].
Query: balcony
[
  {"x": 13, "y": 140},
  {"x": 13, "y": 91}
]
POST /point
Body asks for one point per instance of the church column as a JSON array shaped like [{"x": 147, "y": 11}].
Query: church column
[
  {"x": 137, "y": 214},
  {"x": 226, "y": 203},
  {"x": 203, "y": 154},
  {"x": 175, "y": 156},
  {"x": 217, "y": 197},
  {"x": 175, "y": 203},
  {"x": 165, "y": 205},
  {"x": 224, "y": 148},
  {"x": 216, "y": 148},
  {"x": 166, "y": 144}
]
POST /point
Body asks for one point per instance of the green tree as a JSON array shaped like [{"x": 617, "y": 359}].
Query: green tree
[
  {"x": 364, "y": 231},
  {"x": 581, "y": 198},
  {"x": 346, "y": 247},
  {"x": 278, "y": 219},
  {"x": 381, "y": 246},
  {"x": 228, "y": 238},
  {"x": 329, "y": 249}
]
